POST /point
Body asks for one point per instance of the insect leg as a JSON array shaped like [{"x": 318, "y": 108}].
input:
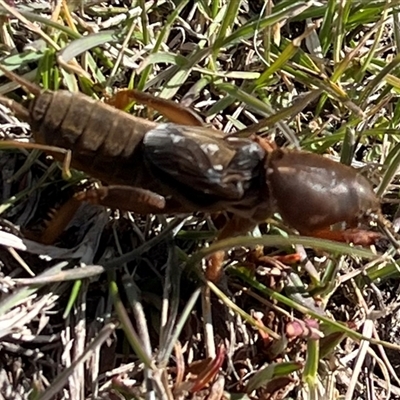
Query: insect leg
[
  {"x": 126, "y": 198},
  {"x": 265, "y": 144},
  {"x": 174, "y": 112},
  {"x": 235, "y": 226},
  {"x": 356, "y": 236},
  {"x": 57, "y": 224}
]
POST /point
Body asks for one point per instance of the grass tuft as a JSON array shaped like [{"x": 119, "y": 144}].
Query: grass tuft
[{"x": 119, "y": 305}]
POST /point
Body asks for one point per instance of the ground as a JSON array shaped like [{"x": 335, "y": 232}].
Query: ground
[{"x": 118, "y": 305}]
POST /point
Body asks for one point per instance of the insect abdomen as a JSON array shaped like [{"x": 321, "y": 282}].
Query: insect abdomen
[{"x": 105, "y": 142}]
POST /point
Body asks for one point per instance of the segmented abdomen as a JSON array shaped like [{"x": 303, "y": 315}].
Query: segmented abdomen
[{"x": 105, "y": 142}]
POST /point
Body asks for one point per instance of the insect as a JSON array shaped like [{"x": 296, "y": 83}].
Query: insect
[{"x": 173, "y": 168}]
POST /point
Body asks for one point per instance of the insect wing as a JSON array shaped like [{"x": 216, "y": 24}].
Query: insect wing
[{"x": 202, "y": 159}]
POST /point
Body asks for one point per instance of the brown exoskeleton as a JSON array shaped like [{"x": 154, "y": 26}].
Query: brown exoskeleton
[{"x": 170, "y": 168}]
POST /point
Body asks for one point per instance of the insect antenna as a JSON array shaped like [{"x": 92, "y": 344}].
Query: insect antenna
[{"x": 29, "y": 87}]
